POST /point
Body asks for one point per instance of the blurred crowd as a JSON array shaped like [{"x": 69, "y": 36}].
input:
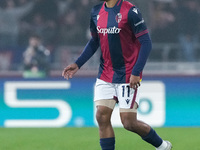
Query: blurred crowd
[
  {"x": 61, "y": 23},
  {"x": 177, "y": 21},
  {"x": 57, "y": 22},
  {"x": 66, "y": 22}
]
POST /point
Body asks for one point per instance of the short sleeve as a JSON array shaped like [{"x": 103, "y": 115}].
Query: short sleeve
[{"x": 136, "y": 22}]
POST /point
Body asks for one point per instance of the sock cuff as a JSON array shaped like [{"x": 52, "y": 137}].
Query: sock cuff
[
  {"x": 152, "y": 131},
  {"x": 153, "y": 138},
  {"x": 107, "y": 140},
  {"x": 107, "y": 143}
]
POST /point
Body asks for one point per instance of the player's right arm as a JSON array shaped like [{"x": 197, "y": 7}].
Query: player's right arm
[
  {"x": 70, "y": 70},
  {"x": 87, "y": 53}
]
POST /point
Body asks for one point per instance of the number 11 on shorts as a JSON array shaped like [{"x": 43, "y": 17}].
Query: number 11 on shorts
[{"x": 126, "y": 88}]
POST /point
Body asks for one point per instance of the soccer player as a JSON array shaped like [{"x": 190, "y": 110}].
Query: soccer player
[{"x": 118, "y": 28}]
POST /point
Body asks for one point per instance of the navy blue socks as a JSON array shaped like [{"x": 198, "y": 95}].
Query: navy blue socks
[
  {"x": 153, "y": 138},
  {"x": 107, "y": 143}
]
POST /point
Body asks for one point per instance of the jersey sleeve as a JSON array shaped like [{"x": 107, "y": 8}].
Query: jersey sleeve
[
  {"x": 136, "y": 22},
  {"x": 145, "y": 50}
]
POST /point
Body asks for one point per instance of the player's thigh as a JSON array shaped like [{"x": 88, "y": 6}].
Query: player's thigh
[
  {"x": 104, "y": 94},
  {"x": 104, "y": 110},
  {"x": 128, "y": 103},
  {"x": 129, "y": 116}
]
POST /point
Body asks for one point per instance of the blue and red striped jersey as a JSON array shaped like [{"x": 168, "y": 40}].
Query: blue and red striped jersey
[{"x": 116, "y": 30}]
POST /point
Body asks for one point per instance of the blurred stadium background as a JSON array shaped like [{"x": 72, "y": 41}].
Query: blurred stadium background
[
  {"x": 171, "y": 82},
  {"x": 64, "y": 28}
]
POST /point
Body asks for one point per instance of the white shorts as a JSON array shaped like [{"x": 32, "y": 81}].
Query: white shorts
[{"x": 122, "y": 93}]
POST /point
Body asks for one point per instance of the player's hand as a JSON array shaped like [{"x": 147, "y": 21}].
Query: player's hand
[
  {"x": 134, "y": 82},
  {"x": 70, "y": 70}
]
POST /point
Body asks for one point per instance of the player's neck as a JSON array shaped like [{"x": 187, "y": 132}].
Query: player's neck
[{"x": 111, "y": 3}]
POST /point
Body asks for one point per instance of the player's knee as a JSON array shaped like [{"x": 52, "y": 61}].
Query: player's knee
[
  {"x": 102, "y": 117},
  {"x": 130, "y": 126}
]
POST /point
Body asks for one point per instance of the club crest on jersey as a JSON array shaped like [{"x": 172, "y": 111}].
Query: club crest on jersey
[{"x": 118, "y": 17}]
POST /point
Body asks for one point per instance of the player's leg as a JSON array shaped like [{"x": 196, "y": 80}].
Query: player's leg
[
  {"x": 130, "y": 123},
  {"x": 103, "y": 97},
  {"x": 128, "y": 103},
  {"x": 103, "y": 116}
]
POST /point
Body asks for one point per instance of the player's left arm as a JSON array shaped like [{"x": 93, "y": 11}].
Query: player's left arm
[{"x": 140, "y": 31}]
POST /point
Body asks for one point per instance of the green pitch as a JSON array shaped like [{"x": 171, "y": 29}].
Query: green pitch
[{"x": 88, "y": 139}]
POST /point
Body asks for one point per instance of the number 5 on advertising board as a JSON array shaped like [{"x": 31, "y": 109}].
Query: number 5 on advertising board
[{"x": 65, "y": 112}]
